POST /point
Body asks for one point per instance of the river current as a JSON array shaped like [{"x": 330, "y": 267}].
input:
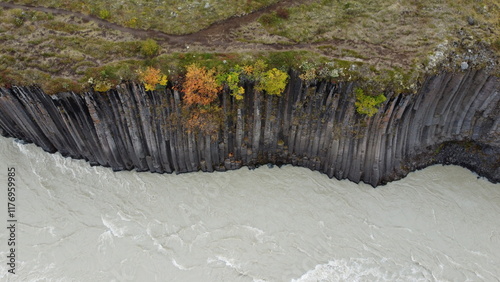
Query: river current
[{"x": 83, "y": 223}]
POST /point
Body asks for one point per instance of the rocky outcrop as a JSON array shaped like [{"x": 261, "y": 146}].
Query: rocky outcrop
[{"x": 454, "y": 118}]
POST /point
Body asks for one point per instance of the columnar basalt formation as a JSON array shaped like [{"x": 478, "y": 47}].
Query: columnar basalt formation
[{"x": 454, "y": 118}]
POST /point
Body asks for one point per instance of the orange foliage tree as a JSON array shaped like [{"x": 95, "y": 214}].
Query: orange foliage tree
[
  {"x": 200, "y": 86},
  {"x": 151, "y": 77}
]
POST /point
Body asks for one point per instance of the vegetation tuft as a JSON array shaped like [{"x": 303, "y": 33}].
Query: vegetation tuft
[
  {"x": 367, "y": 104},
  {"x": 149, "y": 48}
]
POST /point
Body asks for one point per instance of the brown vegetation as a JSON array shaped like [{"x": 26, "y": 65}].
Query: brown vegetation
[{"x": 200, "y": 86}]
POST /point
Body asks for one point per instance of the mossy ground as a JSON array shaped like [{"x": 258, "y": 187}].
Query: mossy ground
[
  {"x": 383, "y": 42},
  {"x": 170, "y": 16},
  {"x": 409, "y": 31}
]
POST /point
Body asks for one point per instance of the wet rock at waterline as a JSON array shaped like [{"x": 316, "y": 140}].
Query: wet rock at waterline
[{"x": 453, "y": 119}]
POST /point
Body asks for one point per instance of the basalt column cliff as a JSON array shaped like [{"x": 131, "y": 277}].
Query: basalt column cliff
[{"x": 453, "y": 119}]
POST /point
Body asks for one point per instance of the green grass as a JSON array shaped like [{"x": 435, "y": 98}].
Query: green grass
[
  {"x": 415, "y": 26},
  {"x": 170, "y": 16},
  {"x": 48, "y": 48},
  {"x": 40, "y": 48},
  {"x": 375, "y": 21}
]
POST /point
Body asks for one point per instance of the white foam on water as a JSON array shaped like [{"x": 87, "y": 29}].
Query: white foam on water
[
  {"x": 181, "y": 267},
  {"x": 364, "y": 269},
  {"x": 113, "y": 228},
  {"x": 258, "y": 233}
]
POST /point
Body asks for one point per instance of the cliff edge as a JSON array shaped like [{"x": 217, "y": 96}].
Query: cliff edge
[{"x": 454, "y": 118}]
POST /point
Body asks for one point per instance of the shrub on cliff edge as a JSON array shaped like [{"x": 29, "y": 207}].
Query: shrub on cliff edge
[
  {"x": 151, "y": 78},
  {"x": 366, "y": 104},
  {"x": 273, "y": 82},
  {"x": 232, "y": 79},
  {"x": 200, "y": 86}
]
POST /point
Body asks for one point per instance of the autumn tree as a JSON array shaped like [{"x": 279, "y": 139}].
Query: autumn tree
[
  {"x": 273, "y": 82},
  {"x": 200, "y": 86},
  {"x": 152, "y": 77}
]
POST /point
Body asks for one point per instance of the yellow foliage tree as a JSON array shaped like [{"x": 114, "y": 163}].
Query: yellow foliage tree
[
  {"x": 152, "y": 77},
  {"x": 273, "y": 82},
  {"x": 200, "y": 86}
]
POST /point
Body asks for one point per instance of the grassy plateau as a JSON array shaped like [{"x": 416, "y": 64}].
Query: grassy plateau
[{"x": 62, "y": 45}]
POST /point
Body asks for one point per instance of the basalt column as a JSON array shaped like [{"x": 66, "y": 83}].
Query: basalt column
[{"x": 453, "y": 118}]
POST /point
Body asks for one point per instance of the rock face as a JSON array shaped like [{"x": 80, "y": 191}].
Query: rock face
[{"x": 453, "y": 119}]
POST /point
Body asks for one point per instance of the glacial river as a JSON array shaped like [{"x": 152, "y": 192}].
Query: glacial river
[{"x": 82, "y": 223}]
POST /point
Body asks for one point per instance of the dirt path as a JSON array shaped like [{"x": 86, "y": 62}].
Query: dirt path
[
  {"x": 217, "y": 38},
  {"x": 220, "y": 28}
]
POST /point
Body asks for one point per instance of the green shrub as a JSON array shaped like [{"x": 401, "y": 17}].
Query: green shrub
[
  {"x": 232, "y": 79},
  {"x": 104, "y": 14},
  {"x": 149, "y": 48},
  {"x": 366, "y": 104}
]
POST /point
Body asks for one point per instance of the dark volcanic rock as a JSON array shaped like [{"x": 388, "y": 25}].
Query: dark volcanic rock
[{"x": 453, "y": 119}]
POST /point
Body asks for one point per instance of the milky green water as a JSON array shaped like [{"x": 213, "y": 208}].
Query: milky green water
[{"x": 82, "y": 223}]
